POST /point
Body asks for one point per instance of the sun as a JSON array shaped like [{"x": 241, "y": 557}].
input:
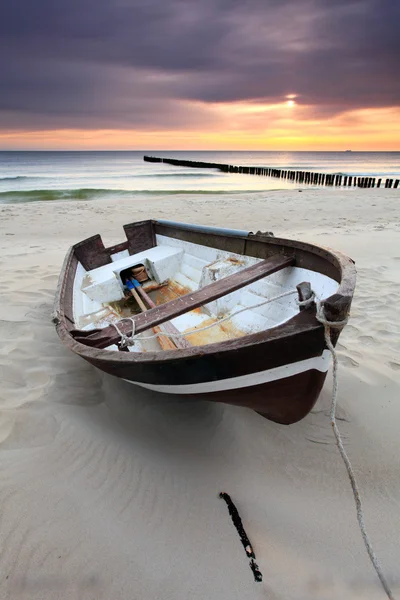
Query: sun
[{"x": 290, "y": 100}]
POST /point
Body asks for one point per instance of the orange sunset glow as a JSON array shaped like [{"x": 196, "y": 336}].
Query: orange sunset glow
[
  {"x": 284, "y": 126},
  {"x": 304, "y": 75}
]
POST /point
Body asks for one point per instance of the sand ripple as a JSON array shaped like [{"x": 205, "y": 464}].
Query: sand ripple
[{"x": 110, "y": 492}]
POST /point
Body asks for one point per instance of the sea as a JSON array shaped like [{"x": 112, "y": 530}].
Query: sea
[{"x": 54, "y": 176}]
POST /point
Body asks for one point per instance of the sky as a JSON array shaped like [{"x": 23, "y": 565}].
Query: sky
[{"x": 200, "y": 74}]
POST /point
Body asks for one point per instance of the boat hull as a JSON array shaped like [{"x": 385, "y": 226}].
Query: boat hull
[
  {"x": 278, "y": 372},
  {"x": 286, "y": 400},
  {"x": 264, "y": 380}
]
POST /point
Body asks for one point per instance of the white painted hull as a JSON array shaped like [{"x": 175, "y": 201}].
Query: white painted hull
[{"x": 318, "y": 363}]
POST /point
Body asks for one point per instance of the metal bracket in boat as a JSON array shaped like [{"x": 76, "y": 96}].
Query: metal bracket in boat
[
  {"x": 55, "y": 317},
  {"x": 261, "y": 234}
]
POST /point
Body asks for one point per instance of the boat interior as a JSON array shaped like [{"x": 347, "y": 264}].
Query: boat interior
[{"x": 134, "y": 283}]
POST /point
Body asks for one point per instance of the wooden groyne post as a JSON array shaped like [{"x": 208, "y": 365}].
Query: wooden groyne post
[{"x": 307, "y": 177}]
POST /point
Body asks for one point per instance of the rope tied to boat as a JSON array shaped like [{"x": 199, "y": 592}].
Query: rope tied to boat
[
  {"x": 126, "y": 340},
  {"x": 308, "y": 302},
  {"x": 216, "y": 324},
  {"x": 328, "y": 325},
  {"x": 320, "y": 312}
]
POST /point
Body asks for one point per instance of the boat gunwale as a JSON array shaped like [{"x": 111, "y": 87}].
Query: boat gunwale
[{"x": 337, "y": 305}]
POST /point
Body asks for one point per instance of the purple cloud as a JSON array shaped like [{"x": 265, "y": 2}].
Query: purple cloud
[{"x": 125, "y": 63}]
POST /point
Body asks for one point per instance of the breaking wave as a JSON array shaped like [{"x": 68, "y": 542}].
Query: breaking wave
[
  {"x": 19, "y": 178},
  {"x": 96, "y": 194}
]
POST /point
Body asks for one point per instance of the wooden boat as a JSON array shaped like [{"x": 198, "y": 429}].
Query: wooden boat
[{"x": 213, "y": 286}]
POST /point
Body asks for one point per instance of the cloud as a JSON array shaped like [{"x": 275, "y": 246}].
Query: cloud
[{"x": 151, "y": 64}]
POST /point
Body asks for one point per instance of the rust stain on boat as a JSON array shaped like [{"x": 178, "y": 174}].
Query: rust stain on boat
[
  {"x": 127, "y": 307},
  {"x": 163, "y": 295},
  {"x": 153, "y": 286},
  {"x": 219, "y": 333},
  {"x": 168, "y": 292},
  {"x": 179, "y": 290},
  {"x": 235, "y": 261}
]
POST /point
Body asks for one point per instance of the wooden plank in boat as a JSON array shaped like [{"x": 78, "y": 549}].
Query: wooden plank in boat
[
  {"x": 140, "y": 236},
  {"x": 92, "y": 253},
  {"x": 188, "y": 302}
]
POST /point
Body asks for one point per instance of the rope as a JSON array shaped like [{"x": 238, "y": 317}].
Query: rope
[
  {"x": 220, "y": 321},
  {"x": 307, "y": 302},
  {"x": 125, "y": 339},
  {"x": 328, "y": 325}
]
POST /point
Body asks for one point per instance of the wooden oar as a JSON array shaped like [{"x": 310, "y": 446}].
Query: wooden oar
[
  {"x": 169, "y": 327},
  {"x": 165, "y": 342}
]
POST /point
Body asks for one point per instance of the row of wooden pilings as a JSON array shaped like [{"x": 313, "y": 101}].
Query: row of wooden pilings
[{"x": 307, "y": 177}]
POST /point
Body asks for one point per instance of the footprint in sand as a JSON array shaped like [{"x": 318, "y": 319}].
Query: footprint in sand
[
  {"x": 40, "y": 312},
  {"x": 45, "y": 292},
  {"x": 80, "y": 387},
  {"x": 367, "y": 340},
  {"x": 394, "y": 365},
  {"x": 52, "y": 278},
  {"x": 32, "y": 428},
  {"x": 352, "y": 328},
  {"x": 347, "y": 361},
  {"x": 37, "y": 377},
  {"x": 385, "y": 333},
  {"x": 392, "y": 297}
]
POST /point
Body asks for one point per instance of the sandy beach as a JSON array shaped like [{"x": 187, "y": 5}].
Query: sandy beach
[{"x": 109, "y": 492}]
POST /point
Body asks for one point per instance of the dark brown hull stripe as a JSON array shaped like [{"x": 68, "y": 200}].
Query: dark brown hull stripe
[
  {"x": 320, "y": 363},
  {"x": 297, "y": 340}
]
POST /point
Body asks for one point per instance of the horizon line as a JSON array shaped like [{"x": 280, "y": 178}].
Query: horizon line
[{"x": 192, "y": 150}]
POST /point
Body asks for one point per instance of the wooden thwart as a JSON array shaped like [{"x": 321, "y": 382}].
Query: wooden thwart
[
  {"x": 165, "y": 342},
  {"x": 155, "y": 316},
  {"x": 180, "y": 342}
]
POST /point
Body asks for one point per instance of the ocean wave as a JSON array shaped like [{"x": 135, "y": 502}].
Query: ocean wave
[
  {"x": 56, "y": 194},
  {"x": 174, "y": 175},
  {"x": 80, "y": 194},
  {"x": 19, "y": 178}
]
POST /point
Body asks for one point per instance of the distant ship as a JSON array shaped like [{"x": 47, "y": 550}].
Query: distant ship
[{"x": 348, "y": 151}]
